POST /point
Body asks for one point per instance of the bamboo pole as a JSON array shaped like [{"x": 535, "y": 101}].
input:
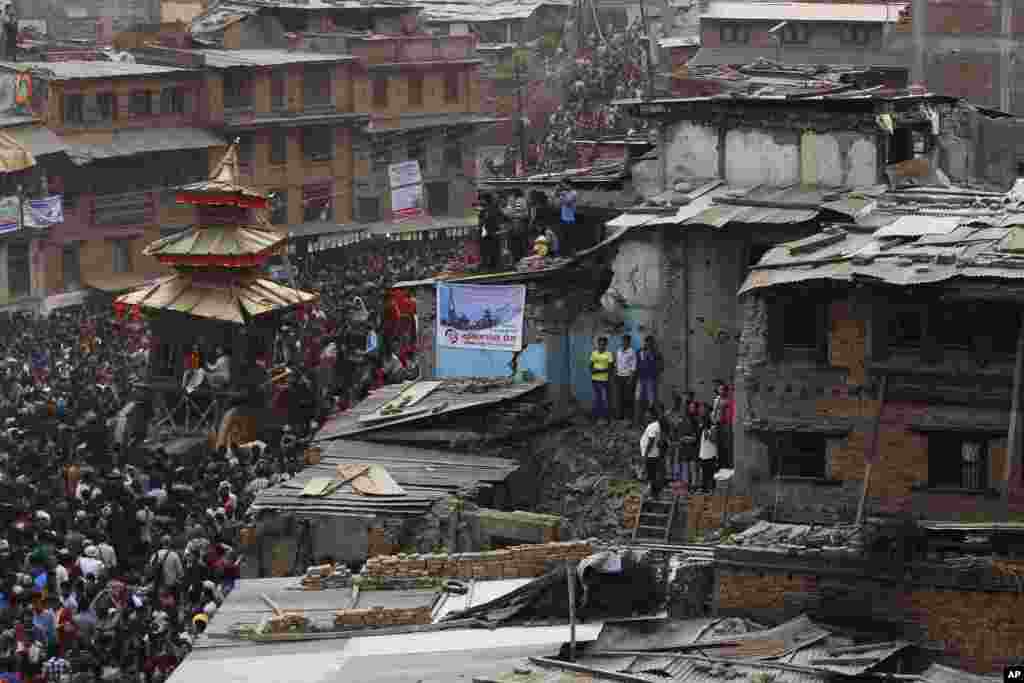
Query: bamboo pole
[
  {"x": 1015, "y": 436},
  {"x": 874, "y": 450},
  {"x": 570, "y": 572}
]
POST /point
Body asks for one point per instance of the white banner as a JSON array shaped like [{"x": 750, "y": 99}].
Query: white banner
[
  {"x": 10, "y": 214},
  {"x": 481, "y": 316},
  {"x": 406, "y": 190},
  {"x": 404, "y": 173},
  {"x": 42, "y": 213}
]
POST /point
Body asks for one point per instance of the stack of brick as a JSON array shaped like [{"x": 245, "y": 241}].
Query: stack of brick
[
  {"x": 378, "y": 616},
  {"x": 704, "y": 512},
  {"x": 518, "y": 562},
  {"x": 326, "y": 576},
  {"x": 630, "y": 511}
]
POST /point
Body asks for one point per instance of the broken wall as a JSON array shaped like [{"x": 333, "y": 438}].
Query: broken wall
[
  {"x": 833, "y": 395},
  {"x": 979, "y": 625},
  {"x": 781, "y": 149}
]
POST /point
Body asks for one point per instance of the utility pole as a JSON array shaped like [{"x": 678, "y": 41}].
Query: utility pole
[
  {"x": 650, "y": 51},
  {"x": 519, "y": 68}
]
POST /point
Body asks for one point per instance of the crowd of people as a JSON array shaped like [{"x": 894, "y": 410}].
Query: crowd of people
[
  {"x": 611, "y": 67},
  {"x": 685, "y": 445},
  {"x": 116, "y": 553}
]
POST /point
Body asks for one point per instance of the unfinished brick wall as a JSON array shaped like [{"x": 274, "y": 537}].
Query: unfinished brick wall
[
  {"x": 704, "y": 512},
  {"x": 758, "y": 590},
  {"x": 517, "y": 562},
  {"x": 985, "y": 629},
  {"x": 379, "y": 616}
]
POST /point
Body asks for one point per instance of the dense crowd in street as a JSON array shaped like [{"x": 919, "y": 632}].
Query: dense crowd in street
[
  {"x": 115, "y": 553},
  {"x": 610, "y": 67}
]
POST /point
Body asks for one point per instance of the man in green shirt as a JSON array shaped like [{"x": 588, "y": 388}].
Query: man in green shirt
[{"x": 601, "y": 363}]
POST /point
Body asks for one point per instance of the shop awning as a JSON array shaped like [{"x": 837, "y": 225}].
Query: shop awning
[
  {"x": 125, "y": 143},
  {"x": 13, "y": 155}
]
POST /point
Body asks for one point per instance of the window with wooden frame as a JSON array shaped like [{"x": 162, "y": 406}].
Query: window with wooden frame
[
  {"x": 451, "y": 87},
  {"x": 856, "y": 34},
  {"x": 798, "y": 326},
  {"x": 318, "y": 202},
  {"x": 318, "y": 143},
  {"x": 172, "y": 100},
  {"x": 237, "y": 89},
  {"x": 278, "y": 80},
  {"x": 106, "y": 106},
  {"x": 74, "y": 109},
  {"x": 279, "y": 207},
  {"x": 71, "y": 266},
  {"x": 416, "y": 90},
  {"x": 734, "y": 33},
  {"x": 121, "y": 256},
  {"x": 796, "y": 33},
  {"x": 453, "y": 153},
  {"x": 799, "y": 455},
  {"x": 316, "y": 87},
  {"x": 379, "y": 91},
  {"x": 278, "y": 147},
  {"x": 958, "y": 461},
  {"x": 141, "y": 103},
  {"x": 906, "y": 326}
]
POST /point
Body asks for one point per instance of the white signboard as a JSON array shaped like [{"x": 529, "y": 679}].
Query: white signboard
[{"x": 406, "y": 190}]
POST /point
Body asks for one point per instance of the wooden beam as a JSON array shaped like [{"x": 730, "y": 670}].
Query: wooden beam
[{"x": 1015, "y": 436}]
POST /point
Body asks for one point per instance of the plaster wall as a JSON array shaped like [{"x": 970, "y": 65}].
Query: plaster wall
[
  {"x": 838, "y": 159},
  {"x": 690, "y": 150},
  {"x": 758, "y": 157}
]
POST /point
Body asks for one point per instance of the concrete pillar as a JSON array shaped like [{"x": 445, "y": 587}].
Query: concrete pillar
[
  {"x": 1006, "y": 54},
  {"x": 919, "y": 12}
]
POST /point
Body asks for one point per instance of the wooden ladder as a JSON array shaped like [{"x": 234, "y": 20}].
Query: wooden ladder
[{"x": 653, "y": 521}]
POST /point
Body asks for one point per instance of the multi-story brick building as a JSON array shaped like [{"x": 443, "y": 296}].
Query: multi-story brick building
[
  {"x": 130, "y": 133},
  {"x": 739, "y": 32},
  {"x": 418, "y": 93}
]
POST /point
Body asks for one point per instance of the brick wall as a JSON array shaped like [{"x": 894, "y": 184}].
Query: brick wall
[
  {"x": 982, "y": 628},
  {"x": 630, "y": 511},
  {"x": 704, "y": 512},
  {"x": 378, "y": 543},
  {"x": 757, "y": 590},
  {"x": 524, "y": 561},
  {"x": 379, "y": 616}
]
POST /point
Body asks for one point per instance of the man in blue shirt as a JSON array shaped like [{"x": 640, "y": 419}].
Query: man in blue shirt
[{"x": 567, "y": 201}]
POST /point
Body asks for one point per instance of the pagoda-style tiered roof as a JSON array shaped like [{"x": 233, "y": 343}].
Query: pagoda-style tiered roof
[
  {"x": 206, "y": 296},
  {"x": 217, "y": 245},
  {"x": 218, "y": 260},
  {"x": 222, "y": 188}
]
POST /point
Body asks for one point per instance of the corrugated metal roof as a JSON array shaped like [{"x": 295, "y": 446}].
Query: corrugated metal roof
[
  {"x": 914, "y": 243},
  {"x": 678, "y": 670},
  {"x": 937, "y": 673},
  {"x": 223, "y": 59},
  {"x": 426, "y": 475},
  {"x": 453, "y": 395},
  {"x": 917, "y": 225},
  {"x": 129, "y": 142},
  {"x": 796, "y": 54},
  {"x": 804, "y": 11},
  {"x": 78, "y": 69},
  {"x": 483, "y": 10},
  {"x": 845, "y": 658}
]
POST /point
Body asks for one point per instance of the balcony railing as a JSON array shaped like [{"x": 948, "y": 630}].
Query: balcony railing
[{"x": 413, "y": 48}]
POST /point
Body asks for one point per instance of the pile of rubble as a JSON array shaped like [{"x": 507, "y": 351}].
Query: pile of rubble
[
  {"x": 326, "y": 576},
  {"x": 581, "y": 472}
]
